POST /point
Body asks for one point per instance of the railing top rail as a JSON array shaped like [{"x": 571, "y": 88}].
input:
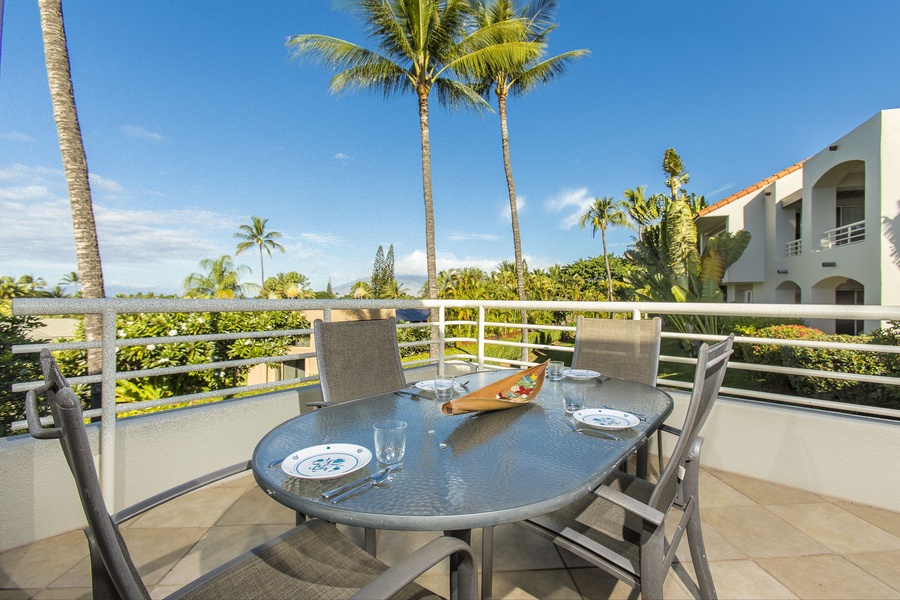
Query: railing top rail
[{"x": 49, "y": 306}]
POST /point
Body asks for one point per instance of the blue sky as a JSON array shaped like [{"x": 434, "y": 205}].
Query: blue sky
[{"x": 196, "y": 118}]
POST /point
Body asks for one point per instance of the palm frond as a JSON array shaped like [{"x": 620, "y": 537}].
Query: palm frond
[
  {"x": 544, "y": 72},
  {"x": 455, "y": 95}
]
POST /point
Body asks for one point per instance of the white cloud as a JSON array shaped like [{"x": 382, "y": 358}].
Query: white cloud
[
  {"x": 16, "y": 136},
  {"x": 465, "y": 236},
  {"x": 324, "y": 239},
  {"x": 141, "y": 133},
  {"x": 504, "y": 212},
  {"x": 572, "y": 203},
  {"x": 415, "y": 263},
  {"x": 105, "y": 185},
  {"x": 719, "y": 190},
  {"x": 342, "y": 157}
]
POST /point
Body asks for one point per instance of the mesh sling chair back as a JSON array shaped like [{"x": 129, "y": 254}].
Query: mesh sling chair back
[
  {"x": 357, "y": 359},
  {"x": 621, "y": 526},
  {"x": 624, "y": 348},
  {"x": 313, "y": 560}
]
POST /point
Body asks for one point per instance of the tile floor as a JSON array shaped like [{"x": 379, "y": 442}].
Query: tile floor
[{"x": 763, "y": 540}]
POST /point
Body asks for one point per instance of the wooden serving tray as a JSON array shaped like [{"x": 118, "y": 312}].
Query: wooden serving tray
[{"x": 486, "y": 398}]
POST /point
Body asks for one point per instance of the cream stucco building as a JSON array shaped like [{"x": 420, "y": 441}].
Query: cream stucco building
[{"x": 824, "y": 231}]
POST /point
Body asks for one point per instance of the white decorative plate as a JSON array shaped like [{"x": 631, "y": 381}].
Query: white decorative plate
[
  {"x": 428, "y": 386},
  {"x": 605, "y": 418},
  {"x": 326, "y": 461},
  {"x": 581, "y": 374}
]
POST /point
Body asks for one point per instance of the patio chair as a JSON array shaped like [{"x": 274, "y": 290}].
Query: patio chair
[
  {"x": 313, "y": 560},
  {"x": 624, "y": 348},
  {"x": 357, "y": 359},
  {"x": 621, "y": 526}
]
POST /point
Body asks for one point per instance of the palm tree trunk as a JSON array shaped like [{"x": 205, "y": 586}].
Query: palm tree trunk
[
  {"x": 262, "y": 271},
  {"x": 429, "y": 213},
  {"x": 514, "y": 215},
  {"x": 606, "y": 260},
  {"x": 62, "y": 96}
]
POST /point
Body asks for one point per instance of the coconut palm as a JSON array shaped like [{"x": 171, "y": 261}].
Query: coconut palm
[
  {"x": 222, "y": 279},
  {"x": 643, "y": 211},
  {"x": 255, "y": 234},
  {"x": 423, "y": 46},
  {"x": 71, "y": 278},
  {"x": 62, "y": 97},
  {"x": 605, "y": 213},
  {"x": 518, "y": 80}
]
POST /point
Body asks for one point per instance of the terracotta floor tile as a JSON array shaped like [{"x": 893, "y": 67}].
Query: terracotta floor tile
[
  {"x": 746, "y": 579},
  {"x": 201, "y": 508},
  {"x": 826, "y": 576},
  {"x": 757, "y": 532},
  {"x": 884, "y": 565},
  {"x": 765, "y": 492},
  {"x": 555, "y": 584},
  {"x": 37, "y": 565},
  {"x": 256, "y": 507},
  {"x": 885, "y": 519},
  {"x": 838, "y": 529},
  {"x": 594, "y": 583}
]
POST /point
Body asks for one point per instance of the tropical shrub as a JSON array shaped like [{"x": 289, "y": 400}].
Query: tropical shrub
[{"x": 15, "y": 368}]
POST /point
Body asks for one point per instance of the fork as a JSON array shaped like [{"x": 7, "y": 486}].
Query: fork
[
  {"x": 640, "y": 416},
  {"x": 378, "y": 479},
  {"x": 591, "y": 431}
]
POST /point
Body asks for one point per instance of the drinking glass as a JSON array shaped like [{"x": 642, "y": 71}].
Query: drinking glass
[
  {"x": 390, "y": 441},
  {"x": 574, "y": 396},
  {"x": 443, "y": 388},
  {"x": 555, "y": 370}
]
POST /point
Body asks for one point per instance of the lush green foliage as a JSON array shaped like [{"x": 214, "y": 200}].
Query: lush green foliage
[
  {"x": 675, "y": 269},
  {"x": 163, "y": 325},
  {"x": 287, "y": 285},
  {"x": 829, "y": 360},
  {"x": 15, "y": 368}
]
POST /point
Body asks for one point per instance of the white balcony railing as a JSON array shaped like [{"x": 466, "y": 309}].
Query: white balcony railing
[
  {"x": 223, "y": 433},
  {"x": 793, "y": 248},
  {"x": 846, "y": 234}
]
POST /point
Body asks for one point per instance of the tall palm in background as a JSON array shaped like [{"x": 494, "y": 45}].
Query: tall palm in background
[
  {"x": 518, "y": 80},
  {"x": 87, "y": 249},
  {"x": 255, "y": 234},
  {"x": 222, "y": 279},
  {"x": 644, "y": 211},
  {"x": 603, "y": 214},
  {"x": 422, "y": 46},
  {"x": 71, "y": 278}
]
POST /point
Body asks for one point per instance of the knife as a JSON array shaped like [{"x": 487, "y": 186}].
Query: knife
[{"x": 353, "y": 484}]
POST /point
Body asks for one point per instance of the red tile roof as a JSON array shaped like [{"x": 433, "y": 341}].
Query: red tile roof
[{"x": 751, "y": 189}]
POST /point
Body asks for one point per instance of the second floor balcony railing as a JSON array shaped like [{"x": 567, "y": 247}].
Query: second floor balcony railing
[
  {"x": 852, "y": 233},
  {"x": 793, "y": 248}
]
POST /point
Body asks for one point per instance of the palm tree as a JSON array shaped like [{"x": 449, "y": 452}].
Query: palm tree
[
  {"x": 71, "y": 278},
  {"x": 221, "y": 279},
  {"x": 255, "y": 234},
  {"x": 518, "y": 80},
  {"x": 643, "y": 211},
  {"x": 422, "y": 46},
  {"x": 62, "y": 97},
  {"x": 603, "y": 213}
]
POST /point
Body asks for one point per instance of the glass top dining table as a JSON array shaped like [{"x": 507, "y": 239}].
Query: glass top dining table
[{"x": 465, "y": 471}]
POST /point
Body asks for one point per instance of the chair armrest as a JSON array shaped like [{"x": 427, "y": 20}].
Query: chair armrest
[
  {"x": 669, "y": 429},
  {"x": 180, "y": 490},
  {"x": 632, "y": 505},
  {"x": 319, "y": 404},
  {"x": 405, "y": 572}
]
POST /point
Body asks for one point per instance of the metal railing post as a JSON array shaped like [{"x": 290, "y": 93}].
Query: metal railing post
[
  {"x": 108, "y": 410},
  {"x": 480, "y": 337},
  {"x": 442, "y": 334},
  {"x": 636, "y": 315}
]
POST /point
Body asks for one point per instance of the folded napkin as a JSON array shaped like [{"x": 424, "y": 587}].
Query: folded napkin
[{"x": 509, "y": 392}]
